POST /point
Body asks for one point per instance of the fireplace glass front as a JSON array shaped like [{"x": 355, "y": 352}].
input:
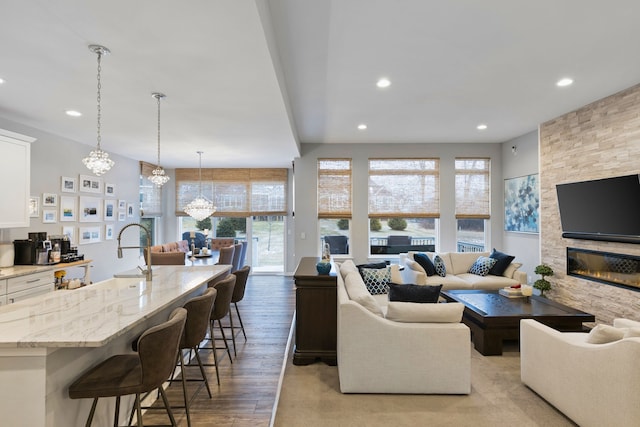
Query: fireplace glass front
[{"x": 605, "y": 267}]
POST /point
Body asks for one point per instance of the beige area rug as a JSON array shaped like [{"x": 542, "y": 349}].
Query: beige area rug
[{"x": 310, "y": 396}]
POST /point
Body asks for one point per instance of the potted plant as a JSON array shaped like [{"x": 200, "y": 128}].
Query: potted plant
[{"x": 543, "y": 284}]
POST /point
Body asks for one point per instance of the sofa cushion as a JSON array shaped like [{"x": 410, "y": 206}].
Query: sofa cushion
[
  {"x": 411, "y": 312},
  {"x": 461, "y": 262},
  {"x": 511, "y": 269},
  {"x": 602, "y": 334},
  {"x": 438, "y": 263},
  {"x": 376, "y": 280},
  {"x": 488, "y": 282},
  {"x": 502, "y": 262},
  {"x": 347, "y": 267},
  {"x": 632, "y": 333},
  {"x": 358, "y": 292},
  {"x": 377, "y": 265},
  {"x": 482, "y": 265},
  {"x": 425, "y": 262},
  {"x": 414, "y": 293}
]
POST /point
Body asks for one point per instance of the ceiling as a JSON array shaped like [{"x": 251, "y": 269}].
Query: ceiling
[{"x": 248, "y": 81}]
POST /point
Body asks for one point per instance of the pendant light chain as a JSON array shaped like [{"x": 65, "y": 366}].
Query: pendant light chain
[
  {"x": 99, "y": 98},
  {"x": 158, "y": 175},
  {"x": 158, "y": 98}
]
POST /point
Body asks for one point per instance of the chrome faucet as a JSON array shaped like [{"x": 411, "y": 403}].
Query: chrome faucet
[{"x": 147, "y": 254}]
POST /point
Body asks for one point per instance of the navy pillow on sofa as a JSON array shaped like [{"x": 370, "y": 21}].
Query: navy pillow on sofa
[
  {"x": 414, "y": 293},
  {"x": 425, "y": 262},
  {"x": 501, "y": 265}
]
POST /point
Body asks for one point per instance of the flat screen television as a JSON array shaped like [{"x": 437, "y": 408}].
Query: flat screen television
[{"x": 603, "y": 209}]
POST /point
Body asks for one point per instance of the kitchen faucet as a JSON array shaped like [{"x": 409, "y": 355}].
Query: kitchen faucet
[{"x": 147, "y": 254}]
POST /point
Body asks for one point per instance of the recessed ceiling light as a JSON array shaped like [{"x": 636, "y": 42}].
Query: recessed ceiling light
[
  {"x": 383, "y": 82},
  {"x": 362, "y": 126},
  {"x": 481, "y": 126},
  {"x": 1, "y": 80},
  {"x": 73, "y": 113},
  {"x": 564, "y": 82}
]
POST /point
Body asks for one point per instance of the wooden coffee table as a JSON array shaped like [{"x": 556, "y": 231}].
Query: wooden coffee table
[{"x": 493, "y": 318}]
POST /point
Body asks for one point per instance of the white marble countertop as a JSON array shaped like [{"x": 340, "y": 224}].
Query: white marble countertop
[{"x": 93, "y": 315}]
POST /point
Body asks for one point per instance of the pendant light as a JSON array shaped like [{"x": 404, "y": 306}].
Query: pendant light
[
  {"x": 158, "y": 176},
  {"x": 98, "y": 161},
  {"x": 200, "y": 208}
]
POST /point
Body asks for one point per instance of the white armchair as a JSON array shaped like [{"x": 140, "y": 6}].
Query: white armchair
[{"x": 593, "y": 384}]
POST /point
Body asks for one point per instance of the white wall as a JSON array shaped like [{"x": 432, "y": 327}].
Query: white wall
[
  {"x": 53, "y": 157},
  {"x": 526, "y": 246},
  {"x": 306, "y": 201}
]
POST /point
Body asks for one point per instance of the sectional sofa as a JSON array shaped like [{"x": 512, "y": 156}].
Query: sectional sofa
[{"x": 398, "y": 347}]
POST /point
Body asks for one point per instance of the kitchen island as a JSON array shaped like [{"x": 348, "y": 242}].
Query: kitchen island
[{"x": 47, "y": 341}]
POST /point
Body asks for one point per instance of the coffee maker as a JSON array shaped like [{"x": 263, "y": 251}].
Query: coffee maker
[{"x": 34, "y": 250}]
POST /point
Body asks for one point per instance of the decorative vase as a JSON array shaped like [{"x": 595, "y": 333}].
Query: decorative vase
[{"x": 323, "y": 267}]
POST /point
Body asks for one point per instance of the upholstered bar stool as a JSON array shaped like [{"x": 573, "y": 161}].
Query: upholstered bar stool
[
  {"x": 195, "y": 330},
  {"x": 237, "y": 252},
  {"x": 238, "y": 293},
  {"x": 219, "y": 311},
  {"x": 135, "y": 373}
]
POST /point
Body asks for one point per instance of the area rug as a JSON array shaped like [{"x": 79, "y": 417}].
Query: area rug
[{"x": 309, "y": 396}]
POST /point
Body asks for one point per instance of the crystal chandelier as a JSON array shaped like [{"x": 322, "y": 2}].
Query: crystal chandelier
[
  {"x": 98, "y": 161},
  {"x": 158, "y": 176},
  {"x": 200, "y": 208}
]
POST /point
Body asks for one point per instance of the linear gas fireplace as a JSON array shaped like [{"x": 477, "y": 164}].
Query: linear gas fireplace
[{"x": 604, "y": 267}]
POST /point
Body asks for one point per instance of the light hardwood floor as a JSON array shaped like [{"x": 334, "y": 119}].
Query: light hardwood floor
[{"x": 248, "y": 386}]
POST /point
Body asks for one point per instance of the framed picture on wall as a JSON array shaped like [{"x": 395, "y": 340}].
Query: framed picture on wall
[
  {"x": 70, "y": 232},
  {"x": 522, "y": 204},
  {"x": 49, "y": 216},
  {"x": 68, "y": 185},
  {"x": 122, "y": 216},
  {"x": 90, "y": 184},
  {"x": 108, "y": 232},
  {"x": 34, "y": 207},
  {"x": 89, "y": 235},
  {"x": 49, "y": 199},
  {"x": 110, "y": 190},
  {"x": 68, "y": 210},
  {"x": 90, "y": 209},
  {"x": 109, "y": 210}
]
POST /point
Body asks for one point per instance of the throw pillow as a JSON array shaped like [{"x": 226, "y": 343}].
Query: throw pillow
[
  {"x": 482, "y": 265},
  {"x": 425, "y": 263},
  {"x": 376, "y": 265},
  {"x": 438, "y": 263},
  {"x": 411, "y": 312},
  {"x": 603, "y": 334},
  {"x": 414, "y": 293},
  {"x": 376, "y": 280},
  {"x": 358, "y": 292},
  {"x": 511, "y": 269},
  {"x": 502, "y": 262}
]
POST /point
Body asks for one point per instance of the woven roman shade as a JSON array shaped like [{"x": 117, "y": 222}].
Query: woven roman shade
[
  {"x": 150, "y": 194},
  {"x": 473, "y": 188},
  {"x": 236, "y": 192},
  {"x": 408, "y": 188},
  {"x": 334, "y": 188}
]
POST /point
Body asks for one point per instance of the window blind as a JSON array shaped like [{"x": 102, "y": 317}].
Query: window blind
[
  {"x": 150, "y": 194},
  {"x": 236, "y": 192},
  {"x": 473, "y": 188},
  {"x": 334, "y": 188},
  {"x": 404, "y": 188}
]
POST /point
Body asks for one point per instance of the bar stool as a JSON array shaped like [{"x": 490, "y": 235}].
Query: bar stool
[
  {"x": 219, "y": 311},
  {"x": 238, "y": 293},
  {"x": 135, "y": 373},
  {"x": 237, "y": 252},
  {"x": 226, "y": 255},
  {"x": 195, "y": 330}
]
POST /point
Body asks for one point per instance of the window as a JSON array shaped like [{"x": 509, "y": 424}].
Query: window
[
  {"x": 473, "y": 206},
  {"x": 150, "y": 194},
  {"x": 404, "y": 205},
  {"x": 334, "y": 203}
]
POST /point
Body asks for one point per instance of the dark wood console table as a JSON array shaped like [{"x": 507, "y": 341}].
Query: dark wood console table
[{"x": 316, "y": 314}]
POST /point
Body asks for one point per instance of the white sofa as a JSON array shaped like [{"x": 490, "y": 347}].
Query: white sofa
[
  {"x": 593, "y": 384},
  {"x": 458, "y": 277},
  {"x": 378, "y": 355}
]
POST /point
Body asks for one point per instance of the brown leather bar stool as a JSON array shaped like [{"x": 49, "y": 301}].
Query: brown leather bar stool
[
  {"x": 238, "y": 293},
  {"x": 226, "y": 255},
  {"x": 195, "y": 330},
  {"x": 135, "y": 373},
  {"x": 219, "y": 311}
]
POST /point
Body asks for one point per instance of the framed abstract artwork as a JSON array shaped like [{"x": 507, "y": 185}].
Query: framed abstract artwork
[{"x": 522, "y": 204}]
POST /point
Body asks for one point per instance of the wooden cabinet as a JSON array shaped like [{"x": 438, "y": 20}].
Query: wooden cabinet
[
  {"x": 15, "y": 179},
  {"x": 316, "y": 314}
]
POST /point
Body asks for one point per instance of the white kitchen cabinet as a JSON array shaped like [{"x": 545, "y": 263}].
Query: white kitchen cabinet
[
  {"x": 15, "y": 179},
  {"x": 3, "y": 292},
  {"x": 22, "y": 287}
]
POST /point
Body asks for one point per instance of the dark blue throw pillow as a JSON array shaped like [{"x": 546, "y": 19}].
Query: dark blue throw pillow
[
  {"x": 503, "y": 261},
  {"x": 425, "y": 263},
  {"x": 414, "y": 293}
]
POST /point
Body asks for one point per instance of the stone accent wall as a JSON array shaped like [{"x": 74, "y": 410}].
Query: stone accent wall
[{"x": 599, "y": 140}]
